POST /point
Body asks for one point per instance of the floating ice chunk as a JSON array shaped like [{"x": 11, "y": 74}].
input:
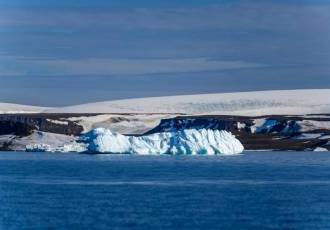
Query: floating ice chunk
[
  {"x": 73, "y": 147},
  {"x": 320, "y": 149},
  {"x": 39, "y": 148}
]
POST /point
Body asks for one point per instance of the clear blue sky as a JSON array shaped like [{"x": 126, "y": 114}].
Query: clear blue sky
[{"x": 62, "y": 52}]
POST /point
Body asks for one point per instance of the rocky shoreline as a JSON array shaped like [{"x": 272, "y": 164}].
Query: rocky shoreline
[{"x": 278, "y": 132}]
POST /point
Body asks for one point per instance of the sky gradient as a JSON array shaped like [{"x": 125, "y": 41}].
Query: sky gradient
[{"x": 64, "y": 52}]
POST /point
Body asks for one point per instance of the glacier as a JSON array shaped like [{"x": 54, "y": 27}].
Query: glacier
[{"x": 183, "y": 142}]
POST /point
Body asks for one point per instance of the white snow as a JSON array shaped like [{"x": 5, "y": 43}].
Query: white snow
[
  {"x": 58, "y": 122},
  {"x": 124, "y": 124},
  {"x": 189, "y": 141},
  {"x": 310, "y": 125},
  {"x": 7, "y": 108},
  {"x": 257, "y": 123},
  {"x": 241, "y": 125},
  {"x": 256, "y": 103},
  {"x": 34, "y": 140},
  {"x": 284, "y": 102},
  {"x": 313, "y": 116},
  {"x": 88, "y": 122}
]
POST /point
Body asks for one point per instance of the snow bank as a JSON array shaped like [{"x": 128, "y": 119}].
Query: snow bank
[{"x": 191, "y": 141}]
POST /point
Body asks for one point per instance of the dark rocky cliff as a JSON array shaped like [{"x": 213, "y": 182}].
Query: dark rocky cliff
[
  {"x": 24, "y": 124},
  {"x": 276, "y": 132}
]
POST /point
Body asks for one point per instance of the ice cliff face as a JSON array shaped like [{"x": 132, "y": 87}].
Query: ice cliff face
[{"x": 190, "y": 141}]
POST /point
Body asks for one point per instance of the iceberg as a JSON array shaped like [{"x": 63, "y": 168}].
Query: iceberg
[
  {"x": 188, "y": 142},
  {"x": 184, "y": 142}
]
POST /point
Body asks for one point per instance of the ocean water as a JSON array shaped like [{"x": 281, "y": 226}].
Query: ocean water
[{"x": 255, "y": 190}]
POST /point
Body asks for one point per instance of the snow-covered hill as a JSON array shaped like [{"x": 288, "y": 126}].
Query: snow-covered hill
[
  {"x": 281, "y": 102},
  {"x": 291, "y": 102},
  {"x": 7, "y": 108}
]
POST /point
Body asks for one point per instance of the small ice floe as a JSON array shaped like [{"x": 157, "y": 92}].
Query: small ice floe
[
  {"x": 320, "y": 149},
  {"x": 38, "y": 148}
]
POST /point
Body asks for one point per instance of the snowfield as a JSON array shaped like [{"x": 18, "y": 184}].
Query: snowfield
[
  {"x": 257, "y": 103},
  {"x": 186, "y": 142},
  {"x": 7, "y": 108},
  {"x": 281, "y": 102}
]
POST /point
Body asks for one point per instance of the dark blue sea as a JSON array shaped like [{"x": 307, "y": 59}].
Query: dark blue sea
[{"x": 255, "y": 190}]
